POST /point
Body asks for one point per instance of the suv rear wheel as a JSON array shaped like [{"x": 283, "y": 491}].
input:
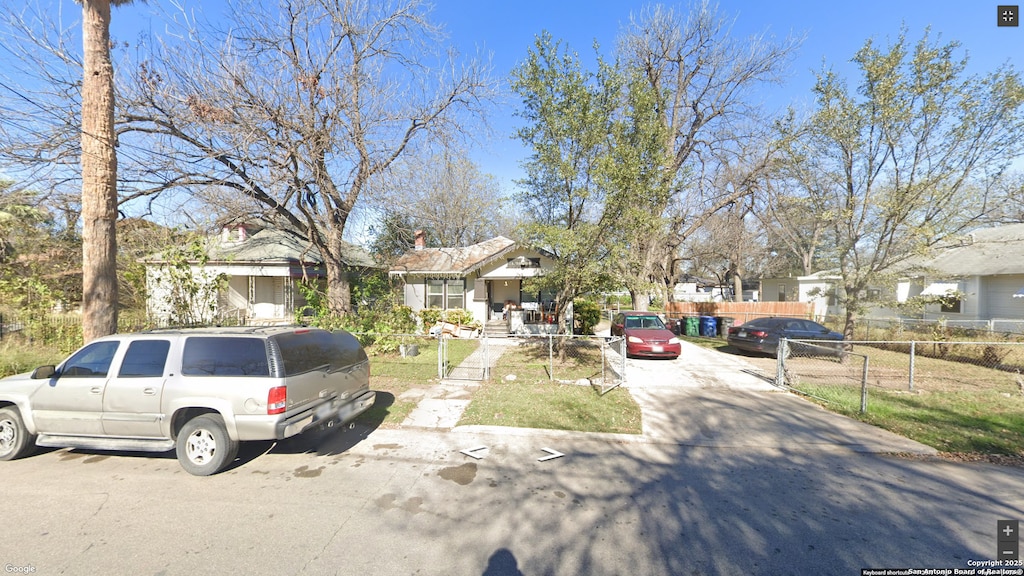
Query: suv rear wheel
[
  {"x": 204, "y": 447},
  {"x": 15, "y": 441}
]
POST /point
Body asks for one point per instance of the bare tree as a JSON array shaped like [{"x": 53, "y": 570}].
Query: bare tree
[
  {"x": 704, "y": 75},
  {"x": 302, "y": 111},
  {"x": 447, "y": 194},
  {"x": 299, "y": 110}
]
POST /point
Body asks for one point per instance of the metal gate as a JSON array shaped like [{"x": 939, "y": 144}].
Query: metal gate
[
  {"x": 474, "y": 366},
  {"x": 613, "y": 364}
]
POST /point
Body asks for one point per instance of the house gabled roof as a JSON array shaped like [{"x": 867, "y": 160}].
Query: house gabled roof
[
  {"x": 459, "y": 261},
  {"x": 984, "y": 252},
  {"x": 270, "y": 246}
]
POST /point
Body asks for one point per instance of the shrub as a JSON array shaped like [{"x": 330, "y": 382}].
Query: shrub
[
  {"x": 431, "y": 316},
  {"x": 586, "y": 315}
]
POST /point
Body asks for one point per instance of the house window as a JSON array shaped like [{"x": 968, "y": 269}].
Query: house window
[
  {"x": 950, "y": 305},
  {"x": 456, "y": 297},
  {"x": 782, "y": 293},
  {"x": 446, "y": 294},
  {"x": 435, "y": 293},
  {"x": 874, "y": 294}
]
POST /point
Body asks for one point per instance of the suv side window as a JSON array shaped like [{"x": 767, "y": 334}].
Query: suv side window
[
  {"x": 93, "y": 361},
  {"x": 224, "y": 356},
  {"x": 307, "y": 351},
  {"x": 145, "y": 358}
]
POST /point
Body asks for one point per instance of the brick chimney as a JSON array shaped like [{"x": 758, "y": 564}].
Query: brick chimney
[{"x": 421, "y": 240}]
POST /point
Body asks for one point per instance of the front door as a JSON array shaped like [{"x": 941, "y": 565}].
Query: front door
[{"x": 71, "y": 402}]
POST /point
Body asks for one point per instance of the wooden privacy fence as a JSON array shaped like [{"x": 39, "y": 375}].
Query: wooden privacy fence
[{"x": 740, "y": 312}]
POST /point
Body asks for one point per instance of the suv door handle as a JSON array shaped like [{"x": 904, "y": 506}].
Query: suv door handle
[
  {"x": 149, "y": 391},
  {"x": 96, "y": 390}
]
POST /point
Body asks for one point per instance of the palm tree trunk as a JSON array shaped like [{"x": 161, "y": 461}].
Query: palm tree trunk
[{"x": 99, "y": 175}]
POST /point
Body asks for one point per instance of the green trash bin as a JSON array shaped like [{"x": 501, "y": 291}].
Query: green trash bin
[{"x": 692, "y": 326}]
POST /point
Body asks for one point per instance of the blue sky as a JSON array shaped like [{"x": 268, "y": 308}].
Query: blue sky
[{"x": 832, "y": 32}]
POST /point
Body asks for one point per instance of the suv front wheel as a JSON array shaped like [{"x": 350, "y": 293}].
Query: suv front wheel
[
  {"x": 15, "y": 441},
  {"x": 204, "y": 447}
]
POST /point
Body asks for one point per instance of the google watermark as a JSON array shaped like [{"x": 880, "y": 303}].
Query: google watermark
[{"x": 14, "y": 569}]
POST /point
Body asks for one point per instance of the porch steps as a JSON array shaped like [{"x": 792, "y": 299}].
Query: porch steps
[{"x": 496, "y": 329}]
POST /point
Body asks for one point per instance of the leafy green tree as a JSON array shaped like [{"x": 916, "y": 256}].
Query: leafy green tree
[
  {"x": 568, "y": 113},
  {"x": 894, "y": 167},
  {"x": 190, "y": 290}
]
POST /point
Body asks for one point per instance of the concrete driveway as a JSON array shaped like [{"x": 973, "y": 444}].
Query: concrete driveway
[{"x": 708, "y": 398}]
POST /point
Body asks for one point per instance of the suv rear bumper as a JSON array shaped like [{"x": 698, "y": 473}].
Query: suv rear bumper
[{"x": 335, "y": 411}]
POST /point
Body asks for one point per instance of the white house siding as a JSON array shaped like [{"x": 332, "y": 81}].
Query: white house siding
[
  {"x": 800, "y": 289},
  {"x": 237, "y": 294},
  {"x": 969, "y": 305},
  {"x": 505, "y": 283},
  {"x": 999, "y": 291},
  {"x": 415, "y": 292},
  {"x": 159, "y": 289}
]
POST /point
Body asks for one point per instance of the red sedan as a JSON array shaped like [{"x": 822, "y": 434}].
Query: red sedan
[{"x": 646, "y": 335}]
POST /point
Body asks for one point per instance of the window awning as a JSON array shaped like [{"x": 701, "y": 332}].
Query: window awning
[
  {"x": 1019, "y": 294},
  {"x": 940, "y": 288}
]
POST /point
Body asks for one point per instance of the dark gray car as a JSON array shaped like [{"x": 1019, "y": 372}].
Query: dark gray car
[{"x": 763, "y": 334}]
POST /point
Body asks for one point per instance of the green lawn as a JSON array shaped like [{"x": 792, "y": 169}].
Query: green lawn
[
  {"x": 553, "y": 406},
  {"x": 954, "y": 407}
]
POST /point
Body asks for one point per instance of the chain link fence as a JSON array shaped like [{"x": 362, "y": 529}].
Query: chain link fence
[
  {"x": 586, "y": 360},
  {"x": 866, "y": 367},
  {"x": 416, "y": 359},
  {"x": 934, "y": 328}
]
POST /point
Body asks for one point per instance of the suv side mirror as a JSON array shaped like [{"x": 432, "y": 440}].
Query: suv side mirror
[{"x": 43, "y": 372}]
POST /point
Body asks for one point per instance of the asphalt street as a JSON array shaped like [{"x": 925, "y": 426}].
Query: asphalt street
[{"x": 729, "y": 477}]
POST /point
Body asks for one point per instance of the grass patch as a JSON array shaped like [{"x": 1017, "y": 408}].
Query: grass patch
[
  {"x": 954, "y": 407},
  {"x": 954, "y": 422},
  {"x": 532, "y": 362},
  {"x": 18, "y": 358},
  {"x": 553, "y": 407}
]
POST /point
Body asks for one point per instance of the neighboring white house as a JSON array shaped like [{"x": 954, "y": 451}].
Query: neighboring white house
[
  {"x": 983, "y": 271},
  {"x": 818, "y": 288},
  {"x": 985, "y": 268},
  {"x": 690, "y": 288},
  {"x": 485, "y": 279},
  {"x": 262, "y": 268}
]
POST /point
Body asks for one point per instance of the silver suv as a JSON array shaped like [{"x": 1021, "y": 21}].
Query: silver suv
[{"x": 197, "y": 391}]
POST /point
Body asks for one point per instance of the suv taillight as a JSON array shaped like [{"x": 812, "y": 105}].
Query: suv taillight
[{"x": 277, "y": 400}]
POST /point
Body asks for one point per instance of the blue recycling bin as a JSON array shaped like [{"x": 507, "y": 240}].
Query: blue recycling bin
[{"x": 708, "y": 326}]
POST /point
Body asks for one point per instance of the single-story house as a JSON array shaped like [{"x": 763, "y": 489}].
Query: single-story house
[
  {"x": 818, "y": 288},
  {"x": 486, "y": 279},
  {"x": 262, "y": 268},
  {"x": 985, "y": 269}
]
